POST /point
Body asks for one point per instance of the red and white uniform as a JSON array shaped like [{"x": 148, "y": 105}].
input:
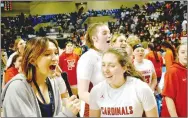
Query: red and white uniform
[
  {"x": 90, "y": 67},
  {"x": 129, "y": 100},
  {"x": 146, "y": 68}
]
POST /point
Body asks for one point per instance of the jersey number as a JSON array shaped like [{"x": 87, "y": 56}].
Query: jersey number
[{"x": 147, "y": 78}]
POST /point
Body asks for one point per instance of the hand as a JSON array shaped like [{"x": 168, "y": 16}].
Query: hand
[
  {"x": 73, "y": 104},
  {"x": 58, "y": 74}
]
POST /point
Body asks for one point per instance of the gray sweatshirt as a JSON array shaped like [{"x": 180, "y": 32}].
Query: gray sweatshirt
[{"x": 19, "y": 99}]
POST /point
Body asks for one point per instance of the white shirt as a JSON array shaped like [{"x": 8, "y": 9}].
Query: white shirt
[
  {"x": 61, "y": 85},
  {"x": 129, "y": 100},
  {"x": 146, "y": 68},
  {"x": 184, "y": 25},
  {"x": 123, "y": 14},
  {"x": 90, "y": 67},
  {"x": 9, "y": 61}
]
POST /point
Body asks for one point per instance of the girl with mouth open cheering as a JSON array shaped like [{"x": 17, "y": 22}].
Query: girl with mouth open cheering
[{"x": 35, "y": 92}]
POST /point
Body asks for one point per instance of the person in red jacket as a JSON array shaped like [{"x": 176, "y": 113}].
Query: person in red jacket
[
  {"x": 14, "y": 68},
  {"x": 68, "y": 63},
  {"x": 156, "y": 59},
  {"x": 175, "y": 86}
]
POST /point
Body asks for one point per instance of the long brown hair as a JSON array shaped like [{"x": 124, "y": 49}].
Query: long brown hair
[
  {"x": 152, "y": 48},
  {"x": 34, "y": 49},
  {"x": 168, "y": 45},
  {"x": 125, "y": 61}
]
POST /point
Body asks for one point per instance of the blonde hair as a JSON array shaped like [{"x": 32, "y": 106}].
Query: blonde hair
[
  {"x": 92, "y": 30},
  {"x": 15, "y": 48},
  {"x": 125, "y": 61},
  {"x": 115, "y": 36},
  {"x": 145, "y": 44},
  {"x": 133, "y": 40},
  {"x": 34, "y": 49},
  {"x": 129, "y": 50}
]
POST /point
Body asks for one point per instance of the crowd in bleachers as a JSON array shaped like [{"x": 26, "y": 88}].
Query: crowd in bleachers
[
  {"x": 22, "y": 26},
  {"x": 147, "y": 21}
]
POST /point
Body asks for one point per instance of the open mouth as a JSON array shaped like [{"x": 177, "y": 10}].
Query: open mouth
[
  {"x": 108, "y": 76},
  {"x": 108, "y": 41},
  {"x": 52, "y": 67},
  {"x": 123, "y": 46}
]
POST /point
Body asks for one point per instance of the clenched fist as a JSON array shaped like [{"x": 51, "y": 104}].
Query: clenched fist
[{"x": 73, "y": 104}]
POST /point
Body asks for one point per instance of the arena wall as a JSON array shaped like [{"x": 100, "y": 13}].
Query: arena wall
[{"x": 49, "y": 7}]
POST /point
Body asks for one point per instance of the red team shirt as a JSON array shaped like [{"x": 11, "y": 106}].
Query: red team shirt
[{"x": 68, "y": 63}]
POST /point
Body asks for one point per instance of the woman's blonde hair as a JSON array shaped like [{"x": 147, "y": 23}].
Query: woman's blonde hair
[
  {"x": 115, "y": 36},
  {"x": 92, "y": 30},
  {"x": 15, "y": 48},
  {"x": 34, "y": 49},
  {"x": 133, "y": 40},
  {"x": 125, "y": 61}
]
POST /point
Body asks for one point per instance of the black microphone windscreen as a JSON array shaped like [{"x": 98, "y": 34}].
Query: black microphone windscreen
[{"x": 64, "y": 75}]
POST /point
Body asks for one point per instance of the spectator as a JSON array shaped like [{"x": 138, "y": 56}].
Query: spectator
[
  {"x": 68, "y": 63},
  {"x": 33, "y": 92},
  {"x": 14, "y": 68},
  {"x": 175, "y": 99}
]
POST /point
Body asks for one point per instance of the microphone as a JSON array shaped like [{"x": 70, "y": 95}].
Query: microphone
[{"x": 65, "y": 78}]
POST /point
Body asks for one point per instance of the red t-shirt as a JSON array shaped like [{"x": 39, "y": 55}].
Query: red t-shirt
[
  {"x": 10, "y": 73},
  {"x": 158, "y": 65},
  {"x": 68, "y": 63},
  {"x": 175, "y": 87}
]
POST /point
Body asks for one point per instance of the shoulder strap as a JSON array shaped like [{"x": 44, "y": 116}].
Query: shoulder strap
[
  {"x": 38, "y": 89},
  {"x": 51, "y": 94}
]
